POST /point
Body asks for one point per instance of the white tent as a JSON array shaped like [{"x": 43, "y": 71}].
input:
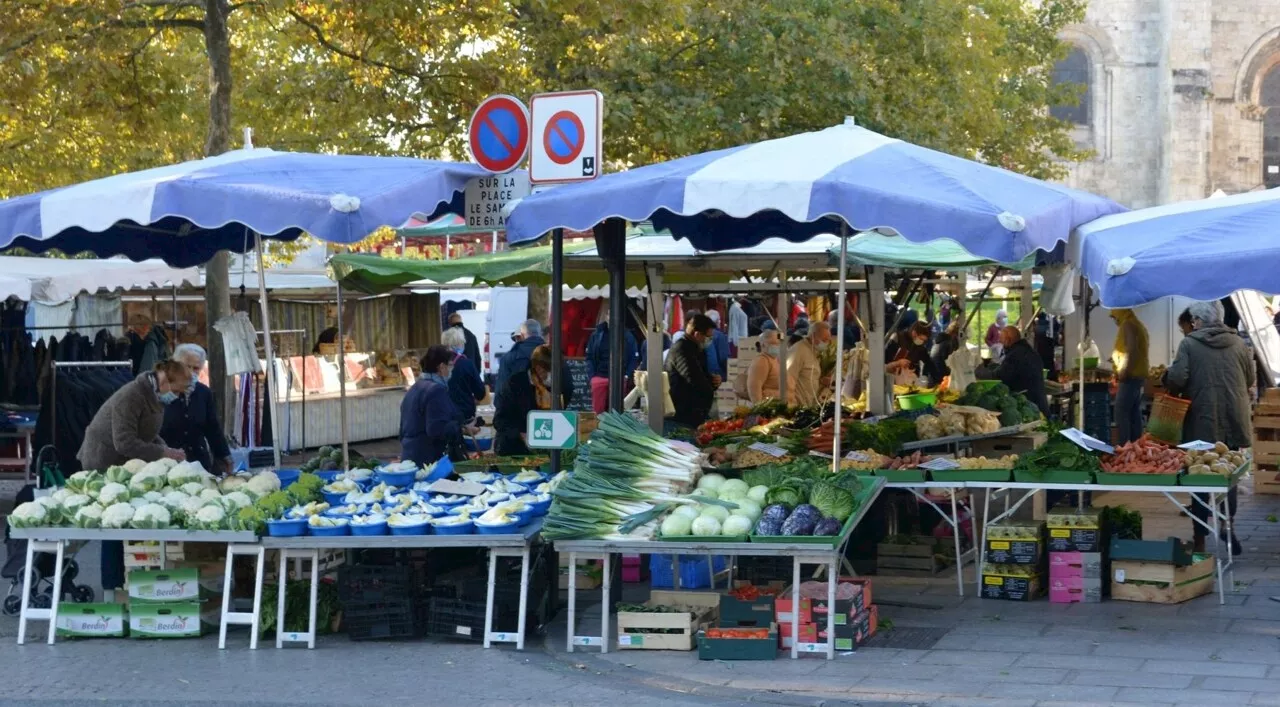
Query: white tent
[{"x": 53, "y": 281}]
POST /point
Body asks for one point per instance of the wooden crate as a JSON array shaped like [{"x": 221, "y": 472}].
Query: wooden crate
[
  {"x": 139, "y": 554},
  {"x": 1266, "y": 432},
  {"x": 631, "y": 624},
  {"x": 925, "y": 557},
  {"x": 1161, "y": 583},
  {"x": 1012, "y": 444},
  {"x": 1266, "y": 479}
]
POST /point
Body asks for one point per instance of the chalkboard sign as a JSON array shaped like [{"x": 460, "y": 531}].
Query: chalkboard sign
[{"x": 581, "y": 399}]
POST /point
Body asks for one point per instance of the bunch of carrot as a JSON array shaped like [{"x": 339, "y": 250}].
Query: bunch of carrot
[
  {"x": 821, "y": 439},
  {"x": 1144, "y": 456}
]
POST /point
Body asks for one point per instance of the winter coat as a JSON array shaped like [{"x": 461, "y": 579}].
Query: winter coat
[
  {"x": 428, "y": 422},
  {"x": 191, "y": 424},
  {"x": 517, "y": 361},
  {"x": 1022, "y": 371},
  {"x": 718, "y": 354},
  {"x": 510, "y": 417},
  {"x": 126, "y": 427},
  {"x": 1214, "y": 369},
  {"x": 691, "y": 389},
  {"x": 465, "y": 387},
  {"x": 155, "y": 348},
  {"x": 598, "y": 353},
  {"x": 471, "y": 349}
]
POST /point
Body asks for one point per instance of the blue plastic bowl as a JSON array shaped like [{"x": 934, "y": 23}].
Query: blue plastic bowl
[
  {"x": 328, "y": 476},
  {"x": 334, "y": 499},
  {"x": 287, "y": 476},
  {"x": 447, "y": 506},
  {"x": 396, "y": 478},
  {"x": 419, "y": 529},
  {"x": 478, "y": 444},
  {"x": 374, "y": 529},
  {"x": 344, "y": 529},
  {"x": 506, "y": 529},
  {"x": 539, "y": 508},
  {"x": 287, "y": 528},
  {"x": 459, "y": 529},
  {"x": 335, "y": 513},
  {"x": 443, "y": 468}
]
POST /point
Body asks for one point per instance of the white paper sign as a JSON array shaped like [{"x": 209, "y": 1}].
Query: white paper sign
[
  {"x": 624, "y": 640},
  {"x": 1197, "y": 446},
  {"x": 857, "y": 457},
  {"x": 770, "y": 449},
  {"x": 941, "y": 464},
  {"x": 1087, "y": 442},
  {"x": 816, "y": 453},
  {"x": 1120, "y": 576},
  {"x": 871, "y": 420},
  {"x": 456, "y": 488}
]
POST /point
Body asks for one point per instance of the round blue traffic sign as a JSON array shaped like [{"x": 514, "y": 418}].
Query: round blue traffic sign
[{"x": 499, "y": 133}]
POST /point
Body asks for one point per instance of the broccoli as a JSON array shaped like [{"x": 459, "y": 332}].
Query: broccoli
[{"x": 1010, "y": 415}]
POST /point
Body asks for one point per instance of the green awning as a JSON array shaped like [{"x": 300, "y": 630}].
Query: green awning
[
  {"x": 375, "y": 274},
  {"x": 894, "y": 251}
]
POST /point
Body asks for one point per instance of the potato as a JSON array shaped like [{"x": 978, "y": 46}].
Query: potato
[
  {"x": 1199, "y": 469},
  {"x": 1220, "y": 448}
]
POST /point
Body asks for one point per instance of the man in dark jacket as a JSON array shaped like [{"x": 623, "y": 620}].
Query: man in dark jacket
[
  {"x": 429, "y": 426},
  {"x": 1022, "y": 369},
  {"x": 598, "y": 364},
  {"x": 692, "y": 387},
  {"x": 191, "y": 422},
  {"x": 466, "y": 388},
  {"x": 528, "y": 338},
  {"x": 472, "y": 347}
]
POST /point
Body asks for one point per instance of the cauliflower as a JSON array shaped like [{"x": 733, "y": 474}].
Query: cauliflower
[
  {"x": 211, "y": 517},
  {"x": 208, "y": 495},
  {"x": 73, "y": 503},
  {"x": 151, "y": 478},
  {"x": 61, "y": 494},
  {"x": 133, "y": 466},
  {"x": 233, "y": 483},
  {"x": 117, "y": 516},
  {"x": 184, "y": 473},
  {"x": 86, "y": 482},
  {"x": 150, "y": 516},
  {"x": 190, "y": 507},
  {"x": 113, "y": 493},
  {"x": 265, "y": 482},
  {"x": 28, "y": 515},
  {"x": 138, "y": 502},
  {"x": 89, "y": 516},
  {"x": 173, "y": 499},
  {"x": 236, "y": 500},
  {"x": 192, "y": 488},
  {"x": 153, "y": 496},
  {"x": 52, "y": 510}
]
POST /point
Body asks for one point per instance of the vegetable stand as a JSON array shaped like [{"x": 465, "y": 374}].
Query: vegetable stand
[
  {"x": 55, "y": 540},
  {"x": 308, "y": 547},
  {"x": 829, "y": 556}
]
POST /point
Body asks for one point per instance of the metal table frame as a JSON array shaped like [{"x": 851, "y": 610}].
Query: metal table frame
[
  {"x": 828, "y": 557},
  {"x": 308, "y": 547},
  {"x": 55, "y": 540},
  {"x": 953, "y": 518}
]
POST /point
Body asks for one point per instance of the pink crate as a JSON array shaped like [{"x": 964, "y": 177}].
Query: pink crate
[
  {"x": 631, "y": 575},
  {"x": 1065, "y": 564},
  {"x": 1063, "y": 595},
  {"x": 1067, "y": 590},
  {"x": 630, "y": 560}
]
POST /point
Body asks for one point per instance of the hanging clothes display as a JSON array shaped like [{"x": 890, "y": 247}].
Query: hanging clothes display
[
  {"x": 155, "y": 348},
  {"x": 253, "y": 413},
  {"x": 68, "y": 404},
  {"x": 240, "y": 342}
]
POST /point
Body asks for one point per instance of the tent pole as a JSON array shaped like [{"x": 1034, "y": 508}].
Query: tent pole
[
  {"x": 653, "y": 350},
  {"x": 839, "y": 390},
  {"x": 342, "y": 383},
  {"x": 783, "y": 307},
  {"x": 557, "y": 355},
  {"x": 876, "y": 401},
  {"x": 270, "y": 349}
]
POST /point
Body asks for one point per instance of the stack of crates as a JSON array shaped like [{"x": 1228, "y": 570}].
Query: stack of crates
[
  {"x": 1266, "y": 443},
  {"x": 1078, "y": 561},
  {"x": 378, "y": 601},
  {"x": 1015, "y": 558},
  {"x": 1097, "y": 410}
]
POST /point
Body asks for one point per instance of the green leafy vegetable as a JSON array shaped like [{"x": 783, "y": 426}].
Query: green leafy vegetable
[{"x": 833, "y": 501}]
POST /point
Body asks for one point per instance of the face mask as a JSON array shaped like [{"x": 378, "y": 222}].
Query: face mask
[
  {"x": 168, "y": 397},
  {"x": 191, "y": 387},
  {"x": 457, "y": 324},
  {"x": 705, "y": 343},
  {"x": 919, "y": 342},
  {"x": 459, "y": 349},
  {"x": 515, "y": 338},
  {"x": 773, "y": 350}
]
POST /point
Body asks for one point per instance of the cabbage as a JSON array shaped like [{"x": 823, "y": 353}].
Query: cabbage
[
  {"x": 687, "y": 511},
  {"x": 705, "y": 525},
  {"x": 758, "y": 493},
  {"x": 717, "y": 512},
  {"x": 711, "y": 482},
  {"x": 748, "y": 508},
  {"x": 735, "y": 487},
  {"x": 832, "y": 501},
  {"x": 736, "y": 525},
  {"x": 676, "y": 525}
]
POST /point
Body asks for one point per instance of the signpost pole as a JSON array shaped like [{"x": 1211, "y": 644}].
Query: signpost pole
[
  {"x": 611, "y": 241},
  {"x": 557, "y": 356}
]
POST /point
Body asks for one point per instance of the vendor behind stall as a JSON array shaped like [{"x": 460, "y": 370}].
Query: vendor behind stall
[
  {"x": 191, "y": 422},
  {"x": 692, "y": 387},
  {"x": 762, "y": 377},
  {"x": 525, "y": 392},
  {"x": 907, "y": 353},
  {"x": 1021, "y": 368},
  {"x": 429, "y": 426},
  {"x": 1130, "y": 363},
  {"x": 803, "y": 363}
]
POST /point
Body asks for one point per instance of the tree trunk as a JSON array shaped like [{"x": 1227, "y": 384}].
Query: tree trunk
[
  {"x": 217, "y": 296},
  {"x": 539, "y": 304}
]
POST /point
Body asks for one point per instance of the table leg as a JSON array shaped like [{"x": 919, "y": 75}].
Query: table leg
[
  {"x": 315, "y": 597},
  {"x": 282, "y": 585},
  {"x": 982, "y": 543},
  {"x": 795, "y": 607},
  {"x": 488, "y": 604},
  {"x": 524, "y": 597},
  {"x": 831, "y": 611},
  {"x": 573, "y": 601},
  {"x": 26, "y": 593},
  {"x": 955, "y": 532},
  {"x": 1217, "y": 540},
  {"x": 604, "y": 609}
]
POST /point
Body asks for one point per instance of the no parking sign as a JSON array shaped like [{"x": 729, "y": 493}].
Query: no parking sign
[
  {"x": 499, "y": 133},
  {"x": 566, "y": 134}
]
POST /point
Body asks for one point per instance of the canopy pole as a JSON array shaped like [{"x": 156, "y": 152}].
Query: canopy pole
[
  {"x": 557, "y": 356},
  {"x": 1027, "y": 303},
  {"x": 1084, "y": 335},
  {"x": 342, "y": 382},
  {"x": 877, "y": 403},
  {"x": 653, "y": 350},
  {"x": 611, "y": 243},
  {"x": 839, "y": 390},
  {"x": 781, "y": 323},
  {"x": 270, "y": 349}
]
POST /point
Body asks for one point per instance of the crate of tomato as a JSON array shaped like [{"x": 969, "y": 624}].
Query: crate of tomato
[
  {"x": 708, "y": 431},
  {"x": 738, "y": 643}
]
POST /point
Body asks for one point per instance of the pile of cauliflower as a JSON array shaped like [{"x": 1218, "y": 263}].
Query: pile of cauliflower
[{"x": 147, "y": 495}]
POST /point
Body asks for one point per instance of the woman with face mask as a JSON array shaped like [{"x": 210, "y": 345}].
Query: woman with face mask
[
  {"x": 906, "y": 354},
  {"x": 762, "y": 376},
  {"x": 525, "y": 392},
  {"x": 429, "y": 424},
  {"x": 466, "y": 388}
]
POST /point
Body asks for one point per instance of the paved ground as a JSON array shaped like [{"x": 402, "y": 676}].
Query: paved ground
[{"x": 974, "y": 652}]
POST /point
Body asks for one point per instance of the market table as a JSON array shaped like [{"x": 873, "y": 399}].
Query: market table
[
  {"x": 828, "y": 556},
  {"x": 308, "y": 548},
  {"x": 55, "y": 540},
  {"x": 920, "y": 491}
]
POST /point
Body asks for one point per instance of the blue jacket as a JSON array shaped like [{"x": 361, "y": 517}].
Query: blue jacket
[
  {"x": 644, "y": 350},
  {"x": 718, "y": 354},
  {"x": 466, "y": 388},
  {"x": 428, "y": 422},
  {"x": 517, "y": 361},
  {"x": 598, "y": 352}
]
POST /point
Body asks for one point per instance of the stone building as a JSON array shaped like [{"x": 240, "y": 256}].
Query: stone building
[{"x": 1181, "y": 98}]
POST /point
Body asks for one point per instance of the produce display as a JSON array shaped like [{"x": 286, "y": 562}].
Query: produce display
[
  {"x": 1220, "y": 460},
  {"x": 909, "y": 461},
  {"x": 884, "y": 437},
  {"x": 330, "y": 459},
  {"x": 711, "y": 429},
  {"x": 1006, "y": 462},
  {"x": 1013, "y": 408},
  {"x": 1144, "y": 456},
  {"x": 1057, "y": 454},
  {"x": 865, "y": 460},
  {"x": 163, "y": 494}
]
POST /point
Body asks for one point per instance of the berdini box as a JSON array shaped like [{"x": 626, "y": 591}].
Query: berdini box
[
  {"x": 163, "y": 586},
  {"x": 91, "y": 620}
]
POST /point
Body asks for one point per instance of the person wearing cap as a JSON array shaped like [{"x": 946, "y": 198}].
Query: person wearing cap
[
  {"x": 528, "y": 337},
  {"x": 718, "y": 351},
  {"x": 471, "y": 349}
]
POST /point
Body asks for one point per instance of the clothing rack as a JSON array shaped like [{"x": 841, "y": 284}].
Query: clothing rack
[
  {"x": 68, "y": 327},
  {"x": 302, "y": 335},
  {"x": 53, "y": 386}
]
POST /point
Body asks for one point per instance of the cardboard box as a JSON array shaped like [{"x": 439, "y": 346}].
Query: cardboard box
[
  {"x": 638, "y": 630},
  {"x": 1088, "y": 565},
  {"x": 848, "y": 636},
  {"x": 1070, "y": 590},
  {"x": 996, "y": 586},
  {"x": 590, "y": 574},
  {"x": 996, "y": 447},
  {"x": 1074, "y": 531},
  {"x": 174, "y": 620},
  {"x": 1014, "y": 552},
  {"x": 1162, "y": 583},
  {"x": 758, "y": 612},
  {"x": 815, "y": 610},
  {"x": 92, "y": 620},
  {"x": 164, "y": 586},
  {"x": 142, "y": 554}
]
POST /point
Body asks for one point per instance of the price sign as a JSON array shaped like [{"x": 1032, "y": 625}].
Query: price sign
[
  {"x": 772, "y": 450},
  {"x": 858, "y": 457},
  {"x": 1120, "y": 576},
  {"x": 940, "y": 465},
  {"x": 1197, "y": 446},
  {"x": 816, "y": 453},
  {"x": 1092, "y": 444}
]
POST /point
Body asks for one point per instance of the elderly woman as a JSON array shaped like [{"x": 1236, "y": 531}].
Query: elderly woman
[
  {"x": 191, "y": 422},
  {"x": 126, "y": 427},
  {"x": 524, "y": 392},
  {"x": 762, "y": 375},
  {"x": 1214, "y": 369},
  {"x": 429, "y": 425},
  {"x": 466, "y": 388}
]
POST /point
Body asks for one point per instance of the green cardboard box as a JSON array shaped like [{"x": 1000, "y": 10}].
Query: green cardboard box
[
  {"x": 164, "y": 586},
  {"x": 91, "y": 620},
  {"x": 172, "y": 620}
]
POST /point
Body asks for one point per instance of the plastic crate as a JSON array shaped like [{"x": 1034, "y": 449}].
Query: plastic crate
[
  {"x": 375, "y": 583},
  {"x": 456, "y": 618},
  {"x": 763, "y": 570},
  {"x": 695, "y": 573},
  {"x": 370, "y": 621}
]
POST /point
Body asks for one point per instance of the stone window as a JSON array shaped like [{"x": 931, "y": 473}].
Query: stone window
[
  {"x": 1269, "y": 98},
  {"x": 1074, "y": 69}
]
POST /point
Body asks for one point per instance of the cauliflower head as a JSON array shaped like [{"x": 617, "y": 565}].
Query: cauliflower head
[
  {"x": 118, "y": 515},
  {"x": 113, "y": 493},
  {"x": 28, "y": 515}
]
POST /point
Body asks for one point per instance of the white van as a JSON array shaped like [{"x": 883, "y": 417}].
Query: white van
[{"x": 508, "y": 309}]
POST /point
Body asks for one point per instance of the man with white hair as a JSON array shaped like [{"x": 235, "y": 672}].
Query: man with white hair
[
  {"x": 528, "y": 337},
  {"x": 191, "y": 422}
]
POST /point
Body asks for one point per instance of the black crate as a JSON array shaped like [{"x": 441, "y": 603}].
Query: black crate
[
  {"x": 456, "y": 618},
  {"x": 370, "y": 621},
  {"x": 377, "y": 583},
  {"x": 763, "y": 570}
]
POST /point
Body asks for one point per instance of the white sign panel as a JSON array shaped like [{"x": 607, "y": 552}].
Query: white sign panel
[
  {"x": 566, "y": 130},
  {"x": 488, "y": 196}
]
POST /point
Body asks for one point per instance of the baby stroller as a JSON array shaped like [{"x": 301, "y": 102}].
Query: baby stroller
[{"x": 41, "y": 589}]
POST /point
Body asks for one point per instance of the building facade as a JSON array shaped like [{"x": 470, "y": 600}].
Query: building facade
[{"x": 1181, "y": 98}]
